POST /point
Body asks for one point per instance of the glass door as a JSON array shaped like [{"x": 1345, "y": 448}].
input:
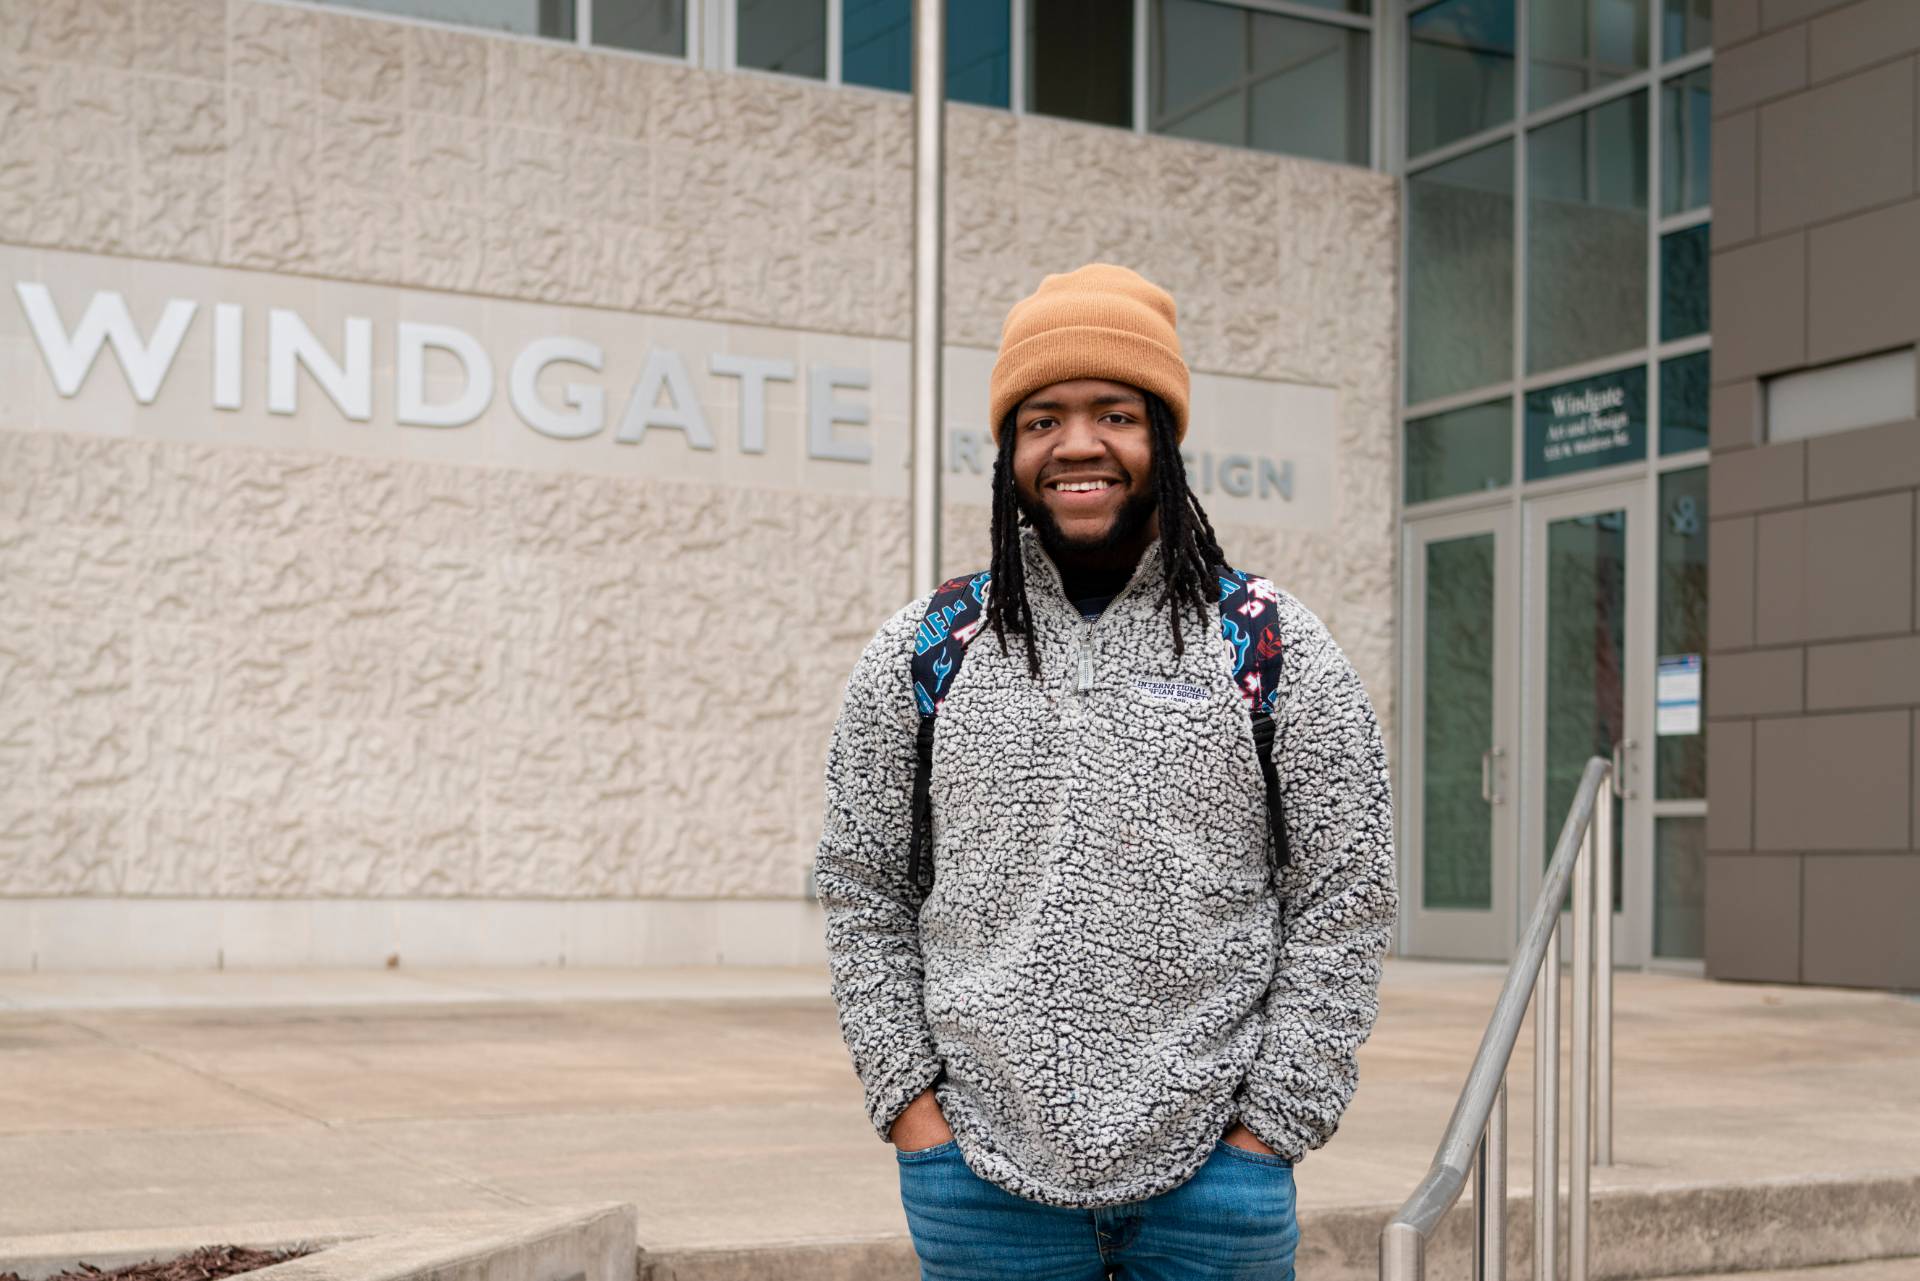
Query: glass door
[
  {"x": 1588, "y": 599},
  {"x": 1457, "y": 805}
]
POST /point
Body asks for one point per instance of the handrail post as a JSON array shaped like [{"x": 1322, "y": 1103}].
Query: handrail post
[
  {"x": 1546, "y": 1112},
  {"x": 1490, "y": 1194},
  {"x": 1580, "y": 1097},
  {"x": 1603, "y": 973}
]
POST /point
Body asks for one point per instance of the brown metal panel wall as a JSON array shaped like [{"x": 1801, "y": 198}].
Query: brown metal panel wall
[{"x": 1813, "y": 696}]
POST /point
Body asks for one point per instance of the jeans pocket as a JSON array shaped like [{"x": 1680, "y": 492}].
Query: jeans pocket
[
  {"x": 913, "y": 1155},
  {"x": 1252, "y": 1157}
]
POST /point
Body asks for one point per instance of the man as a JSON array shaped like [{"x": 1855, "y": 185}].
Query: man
[{"x": 1119, "y": 1015}]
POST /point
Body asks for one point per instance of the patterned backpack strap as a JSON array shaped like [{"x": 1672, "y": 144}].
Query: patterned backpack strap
[
  {"x": 1250, "y": 624},
  {"x": 953, "y": 618}
]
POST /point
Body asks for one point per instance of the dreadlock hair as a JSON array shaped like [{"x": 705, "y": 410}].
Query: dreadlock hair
[{"x": 1189, "y": 550}]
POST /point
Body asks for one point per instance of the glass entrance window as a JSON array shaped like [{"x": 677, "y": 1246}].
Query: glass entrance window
[
  {"x": 1080, "y": 60},
  {"x": 1683, "y": 402},
  {"x": 1686, "y": 25},
  {"x": 1679, "y": 886},
  {"x": 876, "y": 48},
  {"x": 1680, "y": 750},
  {"x": 1460, "y": 80},
  {"x": 1460, "y": 452},
  {"x": 1460, "y": 274},
  {"x": 1222, "y": 73},
  {"x": 1686, "y": 142},
  {"x": 1585, "y": 661},
  {"x": 789, "y": 36},
  {"x": 649, "y": 26},
  {"x": 1587, "y": 235},
  {"x": 1581, "y": 45},
  {"x": 1457, "y": 822}
]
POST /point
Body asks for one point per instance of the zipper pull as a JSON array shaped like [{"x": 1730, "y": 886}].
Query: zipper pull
[{"x": 1085, "y": 684}]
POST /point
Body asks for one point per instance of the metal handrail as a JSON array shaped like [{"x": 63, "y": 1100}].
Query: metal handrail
[{"x": 1475, "y": 1138}]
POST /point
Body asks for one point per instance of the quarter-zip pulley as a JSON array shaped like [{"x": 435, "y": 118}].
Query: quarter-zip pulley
[{"x": 1085, "y": 683}]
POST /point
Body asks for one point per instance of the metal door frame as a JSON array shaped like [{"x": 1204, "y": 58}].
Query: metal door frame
[
  {"x": 1460, "y": 933},
  {"x": 1633, "y": 923}
]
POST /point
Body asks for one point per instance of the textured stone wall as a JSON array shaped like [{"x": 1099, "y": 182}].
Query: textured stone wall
[{"x": 274, "y": 673}]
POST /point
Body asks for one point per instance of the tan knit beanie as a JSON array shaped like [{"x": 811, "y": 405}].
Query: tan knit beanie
[{"x": 1102, "y": 321}]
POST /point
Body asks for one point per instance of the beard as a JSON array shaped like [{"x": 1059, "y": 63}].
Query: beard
[{"x": 1128, "y": 522}]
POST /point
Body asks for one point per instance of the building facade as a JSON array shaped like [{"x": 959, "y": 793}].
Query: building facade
[
  {"x": 451, "y": 451},
  {"x": 447, "y": 475}
]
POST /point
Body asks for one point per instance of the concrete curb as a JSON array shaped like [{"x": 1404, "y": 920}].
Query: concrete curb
[
  {"x": 574, "y": 1243},
  {"x": 1659, "y": 1231}
]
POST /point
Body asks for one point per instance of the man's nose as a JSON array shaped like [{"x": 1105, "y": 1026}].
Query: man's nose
[{"x": 1079, "y": 439}]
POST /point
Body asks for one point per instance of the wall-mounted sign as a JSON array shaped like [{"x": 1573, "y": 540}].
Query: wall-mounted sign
[
  {"x": 1595, "y": 422},
  {"x": 1676, "y": 693},
  {"x": 224, "y": 356}
]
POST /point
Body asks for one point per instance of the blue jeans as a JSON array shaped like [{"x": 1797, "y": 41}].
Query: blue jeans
[{"x": 1232, "y": 1221}]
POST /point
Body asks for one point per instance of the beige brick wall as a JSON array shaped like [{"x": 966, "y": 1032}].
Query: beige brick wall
[{"x": 249, "y": 672}]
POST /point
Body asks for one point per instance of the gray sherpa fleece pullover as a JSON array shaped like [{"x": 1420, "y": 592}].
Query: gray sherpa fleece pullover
[{"x": 1107, "y": 973}]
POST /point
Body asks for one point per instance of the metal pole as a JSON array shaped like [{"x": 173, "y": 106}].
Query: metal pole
[
  {"x": 1603, "y": 973},
  {"x": 1490, "y": 1195},
  {"x": 1580, "y": 1097},
  {"x": 929, "y": 111},
  {"x": 1546, "y": 1113}
]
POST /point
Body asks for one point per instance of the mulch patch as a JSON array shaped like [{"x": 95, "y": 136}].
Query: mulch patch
[{"x": 207, "y": 1262}]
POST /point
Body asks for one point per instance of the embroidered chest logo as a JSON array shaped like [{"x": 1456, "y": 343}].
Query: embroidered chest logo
[{"x": 1171, "y": 691}]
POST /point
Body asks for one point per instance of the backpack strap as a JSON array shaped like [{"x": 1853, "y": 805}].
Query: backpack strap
[
  {"x": 1250, "y": 623},
  {"x": 953, "y": 617}
]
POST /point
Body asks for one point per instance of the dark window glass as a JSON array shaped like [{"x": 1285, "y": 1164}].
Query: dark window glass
[
  {"x": 1587, "y": 235},
  {"x": 1456, "y": 855},
  {"x": 1588, "y": 423},
  {"x": 1686, "y": 156},
  {"x": 1236, "y": 76},
  {"x": 1460, "y": 274},
  {"x": 1459, "y": 71},
  {"x": 788, "y": 36},
  {"x": 1684, "y": 257},
  {"x": 876, "y": 48},
  {"x": 651, "y": 26},
  {"x": 1679, "y": 886},
  {"x": 1340, "y": 6},
  {"x": 1683, "y": 402},
  {"x": 1080, "y": 60},
  {"x": 1688, "y": 26},
  {"x": 1680, "y": 752},
  {"x": 1460, "y": 451},
  {"x": 554, "y": 18},
  {"x": 1578, "y": 45}
]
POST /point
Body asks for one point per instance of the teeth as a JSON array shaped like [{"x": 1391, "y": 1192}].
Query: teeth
[{"x": 1084, "y": 486}]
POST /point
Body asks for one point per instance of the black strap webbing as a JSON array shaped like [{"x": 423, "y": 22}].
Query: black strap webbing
[
  {"x": 919, "y": 865},
  {"x": 1276, "y": 821}
]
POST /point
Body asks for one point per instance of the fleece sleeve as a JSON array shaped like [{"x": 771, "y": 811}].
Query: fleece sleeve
[
  {"x": 1338, "y": 901},
  {"x": 860, "y": 872}
]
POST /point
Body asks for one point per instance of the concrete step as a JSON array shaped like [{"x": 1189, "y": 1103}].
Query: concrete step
[
  {"x": 1872, "y": 1270},
  {"x": 1685, "y": 1230}
]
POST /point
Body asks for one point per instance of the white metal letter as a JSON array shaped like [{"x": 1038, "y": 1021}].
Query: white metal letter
[
  {"x": 753, "y": 372},
  {"x": 524, "y": 391},
  {"x": 412, "y": 408},
  {"x": 823, "y": 411},
  {"x": 106, "y": 320},
  {"x": 226, "y": 355},
  {"x": 289, "y": 341},
  {"x": 682, "y": 411}
]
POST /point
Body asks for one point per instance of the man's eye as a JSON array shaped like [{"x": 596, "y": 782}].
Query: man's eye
[{"x": 1038, "y": 423}]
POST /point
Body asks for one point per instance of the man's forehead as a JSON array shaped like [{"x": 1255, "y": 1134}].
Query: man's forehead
[{"x": 1082, "y": 391}]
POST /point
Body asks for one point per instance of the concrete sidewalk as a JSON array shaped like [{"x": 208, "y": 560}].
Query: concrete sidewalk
[{"x": 720, "y": 1101}]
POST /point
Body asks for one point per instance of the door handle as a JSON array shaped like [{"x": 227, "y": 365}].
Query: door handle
[
  {"x": 1620, "y": 750},
  {"x": 1487, "y": 758}
]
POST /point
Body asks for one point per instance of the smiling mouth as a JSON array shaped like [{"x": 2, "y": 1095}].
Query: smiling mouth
[{"x": 1081, "y": 486}]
